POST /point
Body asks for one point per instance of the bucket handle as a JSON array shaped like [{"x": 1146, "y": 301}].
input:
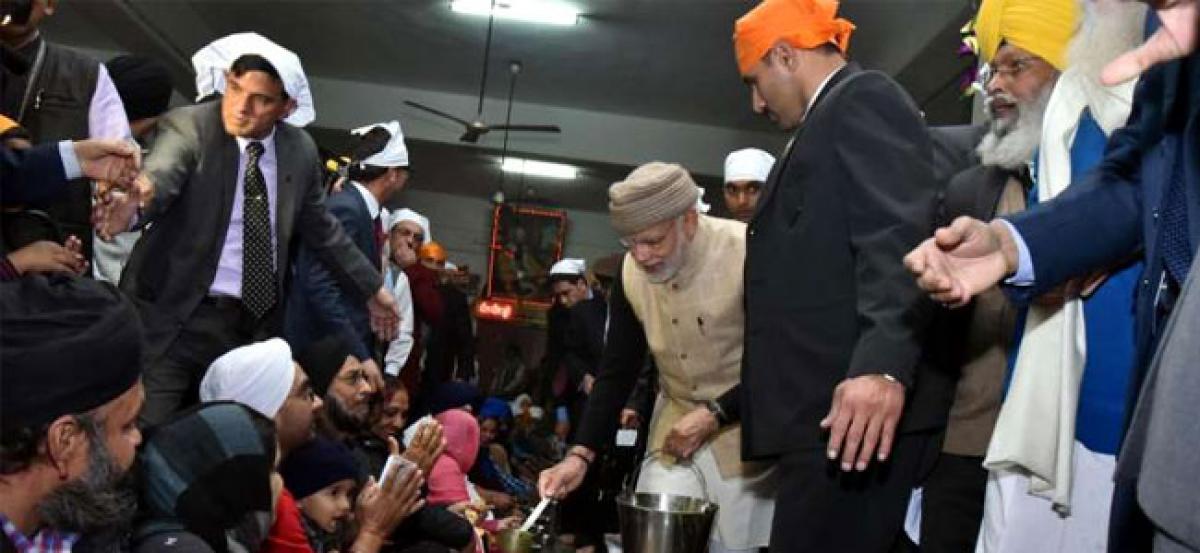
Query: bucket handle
[{"x": 631, "y": 486}]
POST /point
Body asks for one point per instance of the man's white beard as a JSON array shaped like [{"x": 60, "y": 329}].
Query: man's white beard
[
  {"x": 674, "y": 262},
  {"x": 1011, "y": 145}
]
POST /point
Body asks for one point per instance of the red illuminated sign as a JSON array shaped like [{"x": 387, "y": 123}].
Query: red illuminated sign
[{"x": 497, "y": 310}]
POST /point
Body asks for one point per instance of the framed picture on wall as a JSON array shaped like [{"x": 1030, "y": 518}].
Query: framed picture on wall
[{"x": 526, "y": 242}]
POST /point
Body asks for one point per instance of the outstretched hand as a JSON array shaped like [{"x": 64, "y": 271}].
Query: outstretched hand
[
  {"x": 962, "y": 260},
  {"x": 114, "y": 161}
]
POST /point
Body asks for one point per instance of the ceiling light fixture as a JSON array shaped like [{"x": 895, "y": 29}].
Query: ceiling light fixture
[
  {"x": 539, "y": 168},
  {"x": 533, "y": 11}
]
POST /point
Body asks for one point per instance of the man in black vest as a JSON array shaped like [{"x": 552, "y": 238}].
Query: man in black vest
[
  {"x": 832, "y": 386},
  {"x": 61, "y": 95}
]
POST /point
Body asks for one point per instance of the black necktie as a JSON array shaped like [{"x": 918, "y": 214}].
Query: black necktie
[
  {"x": 1176, "y": 246},
  {"x": 258, "y": 267}
]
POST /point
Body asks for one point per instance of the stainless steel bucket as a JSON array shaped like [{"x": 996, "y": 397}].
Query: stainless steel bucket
[{"x": 665, "y": 523}]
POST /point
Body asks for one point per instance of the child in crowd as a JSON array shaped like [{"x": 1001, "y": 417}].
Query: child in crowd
[{"x": 321, "y": 475}]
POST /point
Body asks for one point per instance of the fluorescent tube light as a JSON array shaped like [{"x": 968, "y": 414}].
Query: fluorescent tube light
[
  {"x": 539, "y": 168},
  {"x": 533, "y": 11}
]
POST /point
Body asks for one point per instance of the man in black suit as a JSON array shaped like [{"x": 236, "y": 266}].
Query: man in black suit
[
  {"x": 318, "y": 306},
  {"x": 832, "y": 386},
  {"x": 233, "y": 187}
]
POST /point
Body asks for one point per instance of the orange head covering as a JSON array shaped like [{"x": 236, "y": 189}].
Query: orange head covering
[
  {"x": 801, "y": 23},
  {"x": 7, "y": 124},
  {"x": 434, "y": 251}
]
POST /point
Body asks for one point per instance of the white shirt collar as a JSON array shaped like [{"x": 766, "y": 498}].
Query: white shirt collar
[
  {"x": 267, "y": 141},
  {"x": 367, "y": 196},
  {"x": 821, "y": 88}
]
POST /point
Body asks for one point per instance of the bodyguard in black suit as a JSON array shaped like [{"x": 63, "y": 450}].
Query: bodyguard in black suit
[
  {"x": 318, "y": 306},
  {"x": 234, "y": 188},
  {"x": 832, "y": 383}
]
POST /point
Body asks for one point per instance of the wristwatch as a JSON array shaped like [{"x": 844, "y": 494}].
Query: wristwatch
[{"x": 715, "y": 408}]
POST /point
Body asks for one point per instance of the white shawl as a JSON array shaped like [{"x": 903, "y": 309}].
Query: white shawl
[{"x": 1035, "y": 431}]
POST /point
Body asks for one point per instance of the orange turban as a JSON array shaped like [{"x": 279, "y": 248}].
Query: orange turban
[
  {"x": 801, "y": 23},
  {"x": 7, "y": 124},
  {"x": 433, "y": 251}
]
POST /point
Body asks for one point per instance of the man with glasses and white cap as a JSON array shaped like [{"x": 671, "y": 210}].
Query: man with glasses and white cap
[
  {"x": 379, "y": 169},
  {"x": 679, "y": 297},
  {"x": 407, "y": 232},
  {"x": 746, "y": 173},
  {"x": 232, "y": 185}
]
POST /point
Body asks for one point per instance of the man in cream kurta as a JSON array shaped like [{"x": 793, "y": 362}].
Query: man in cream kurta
[{"x": 679, "y": 298}]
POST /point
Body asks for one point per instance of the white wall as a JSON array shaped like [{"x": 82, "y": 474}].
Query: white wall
[{"x": 463, "y": 226}]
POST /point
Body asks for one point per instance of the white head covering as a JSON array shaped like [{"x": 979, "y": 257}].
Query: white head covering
[
  {"x": 406, "y": 214},
  {"x": 213, "y": 60},
  {"x": 258, "y": 376},
  {"x": 749, "y": 164},
  {"x": 519, "y": 403},
  {"x": 569, "y": 266},
  {"x": 394, "y": 154},
  {"x": 451, "y": 267}
]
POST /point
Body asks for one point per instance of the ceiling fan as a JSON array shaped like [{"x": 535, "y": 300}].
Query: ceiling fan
[{"x": 476, "y": 128}]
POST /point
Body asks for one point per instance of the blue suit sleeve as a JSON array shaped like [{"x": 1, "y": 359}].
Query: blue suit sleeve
[
  {"x": 1063, "y": 236},
  {"x": 323, "y": 290},
  {"x": 32, "y": 176}
]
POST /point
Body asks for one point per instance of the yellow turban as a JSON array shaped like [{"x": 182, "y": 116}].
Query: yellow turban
[
  {"x": 801, "y": 23},
  {"x": 1042, "y": 27}
]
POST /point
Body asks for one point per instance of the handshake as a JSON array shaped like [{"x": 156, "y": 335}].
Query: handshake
[{"x": 121, "y": 188}]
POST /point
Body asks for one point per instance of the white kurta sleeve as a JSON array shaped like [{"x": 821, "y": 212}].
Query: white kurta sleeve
[{"x": 402, "y": 344}]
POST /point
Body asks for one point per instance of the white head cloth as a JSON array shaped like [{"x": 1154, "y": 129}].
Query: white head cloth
[
  {"x": 749, "y": 164},
  {"x": 211, "y": 62},
  {"x": 258, "y": 376},
  {"x": 569, "y": 266},
  {"x": 394, "y": 154},
  {"x": 406, "y": 214}
]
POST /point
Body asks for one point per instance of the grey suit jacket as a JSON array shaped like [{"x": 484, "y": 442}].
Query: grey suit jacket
[
  {"x": 1162, "y": 447},
  {"x": 194, "y": 167}
]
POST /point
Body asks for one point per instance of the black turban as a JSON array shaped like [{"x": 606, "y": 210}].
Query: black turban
[
  {"x": 322, "y": 359},
  {"x": 67, "y": 345},
  {"x": 143, "y": 84}
]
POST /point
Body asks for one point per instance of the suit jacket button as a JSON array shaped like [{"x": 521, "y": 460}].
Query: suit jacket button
[
  {"x": 683, "y": 356},
  {"x": 674, "y": 321}
]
